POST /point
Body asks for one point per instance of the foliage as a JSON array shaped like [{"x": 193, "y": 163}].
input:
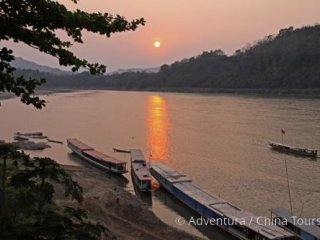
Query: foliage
[
  {"x": 35, "y": 23},
  {"x": 288, "y": 60},
  {"x": 27, "y": 208}
]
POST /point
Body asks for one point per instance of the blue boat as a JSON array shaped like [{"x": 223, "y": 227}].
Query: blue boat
[
  {"x": 140, "y": 170},
  {"x": 241, "y": 224},
  {"x": 306, "y": 229}
]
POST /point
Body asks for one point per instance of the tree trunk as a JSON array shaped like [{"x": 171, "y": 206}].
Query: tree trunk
[{"x": 3, "y": 189}]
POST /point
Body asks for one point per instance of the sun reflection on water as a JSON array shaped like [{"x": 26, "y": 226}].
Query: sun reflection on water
[{"x": 157, "y": 121}]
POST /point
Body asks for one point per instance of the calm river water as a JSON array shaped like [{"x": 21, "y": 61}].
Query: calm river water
[{"x": 219, "y": 141}]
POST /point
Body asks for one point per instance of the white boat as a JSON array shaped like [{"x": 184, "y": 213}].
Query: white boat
[
  {"x": 96, "y": 158},
  {"x": 140, "y": 171}
]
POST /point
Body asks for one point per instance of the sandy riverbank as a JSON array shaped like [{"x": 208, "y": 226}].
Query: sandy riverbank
[
  {"x": 8, "y": 95},
  {"x": 128, "y": 219}
]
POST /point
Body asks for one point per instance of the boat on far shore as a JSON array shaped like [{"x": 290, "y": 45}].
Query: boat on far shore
[{"x": 294, "y": 150}]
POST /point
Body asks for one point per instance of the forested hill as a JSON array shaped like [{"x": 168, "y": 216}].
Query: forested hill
[{"x": 290, "y": 60}]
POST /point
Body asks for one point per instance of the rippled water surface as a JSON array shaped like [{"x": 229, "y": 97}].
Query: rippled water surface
[{"x": 219, "y": 141}]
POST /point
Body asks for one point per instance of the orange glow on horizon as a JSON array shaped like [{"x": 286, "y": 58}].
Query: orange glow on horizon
[
  {"x": 182, "y": 29},
  {"x": 157, "y": 121}
]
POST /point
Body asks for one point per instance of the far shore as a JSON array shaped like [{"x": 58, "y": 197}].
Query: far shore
[
  {"x": 277, "y": 93},
  {"x": 9, "y": 95},
  {"x": 268, "y": 92}
]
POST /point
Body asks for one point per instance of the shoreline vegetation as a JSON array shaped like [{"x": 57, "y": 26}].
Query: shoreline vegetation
[
  {"x": 314, "y": 92},
  {"x": 299, "y": 93},
  {"x": 128, "y": 219},
  {"x": 7, "y": 95},
  {"x": 285, "y": 63}
]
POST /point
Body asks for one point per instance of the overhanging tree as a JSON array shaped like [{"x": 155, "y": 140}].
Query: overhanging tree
[
  {"x": 27, "y": 186},
  {"x": 35, "y": 22},
  {"x": 27, "y": 207}
]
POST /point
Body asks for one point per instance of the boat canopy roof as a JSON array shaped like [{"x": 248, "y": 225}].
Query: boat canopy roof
[
  {"x": 141, "y": 171},
  {"x": 237, "y": 215},
  {"x": 170, "y": 174},
  {"x": 139, "y": 165},
  {"x": 136, "y": 154},
  {"x": 286, "y": 215},
  {"x": 219, "y": 205},
  {"x": 78, "y": 144},
  {"x": 103, "y": 157}
]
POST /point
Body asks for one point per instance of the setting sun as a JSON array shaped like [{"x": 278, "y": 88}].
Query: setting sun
[{"x": 157, "y": 44}]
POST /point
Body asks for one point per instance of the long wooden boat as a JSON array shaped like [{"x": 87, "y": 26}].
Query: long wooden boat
[
  {"x": 295, "y": 150},
  {"x": 121, "y": 150},
  {"x": 140, "y": 170},
  {"x": 307, "y": 229},
  {"x": 239, "y": 223},
  {"x": 96, "y": 158}
]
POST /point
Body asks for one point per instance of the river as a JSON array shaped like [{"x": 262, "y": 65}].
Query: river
[{"x": 219, "y": 141}]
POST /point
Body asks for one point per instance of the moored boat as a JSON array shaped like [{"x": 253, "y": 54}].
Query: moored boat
[
  {"x": 295, "y": 150},
  {"x": 96, "y": 158},
  {"x": 239, "y": 223},
  {"x": 140, "y": 170},
  {"x": 121, "y": 150},
  {"x": 20, "y": 138},
  {"x": 307, "y": 229}
]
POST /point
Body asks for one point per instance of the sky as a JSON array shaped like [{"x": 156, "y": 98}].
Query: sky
[{"x": 185, "y": 28}]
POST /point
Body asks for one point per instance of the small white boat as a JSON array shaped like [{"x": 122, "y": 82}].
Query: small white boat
[{"x": 121, "y": 150}]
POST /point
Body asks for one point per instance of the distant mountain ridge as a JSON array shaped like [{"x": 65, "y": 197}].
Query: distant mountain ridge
[
  {"x": 146, "y": 70},
  {"x": 21, "y": 63},
  {"x": 287, "y": 60}
]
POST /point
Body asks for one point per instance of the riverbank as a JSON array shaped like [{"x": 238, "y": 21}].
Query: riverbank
[
  {"x": 275, "y": 93},
  {"x": 266, "y": 92},
  {"x": 128, "y": 219},
  {"x": 8, "y": 95}
]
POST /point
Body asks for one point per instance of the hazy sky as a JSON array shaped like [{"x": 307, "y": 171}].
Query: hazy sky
[{"x": 185, "y": 28}]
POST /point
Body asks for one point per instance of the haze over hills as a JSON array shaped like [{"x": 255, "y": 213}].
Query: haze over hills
[
  {"x": 288, "y": 60},
  {"x": 21, "y": 63},
  {"x": 147, "y": 70}
]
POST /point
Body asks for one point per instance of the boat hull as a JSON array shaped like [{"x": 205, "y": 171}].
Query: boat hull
[
  {"x": 140, "y": 170},
  {"x": 170, "y": 188},
  {"x": 120, "y": 150},
  {"x": 298, "y": 152},
  {"x": 212, "y": 207},
  {"x": 79, "y": 153},
  {"x": 137, "y": 184}
]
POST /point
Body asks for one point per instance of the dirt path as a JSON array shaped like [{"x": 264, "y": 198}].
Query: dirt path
[{"x": 129, "y": 219}]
